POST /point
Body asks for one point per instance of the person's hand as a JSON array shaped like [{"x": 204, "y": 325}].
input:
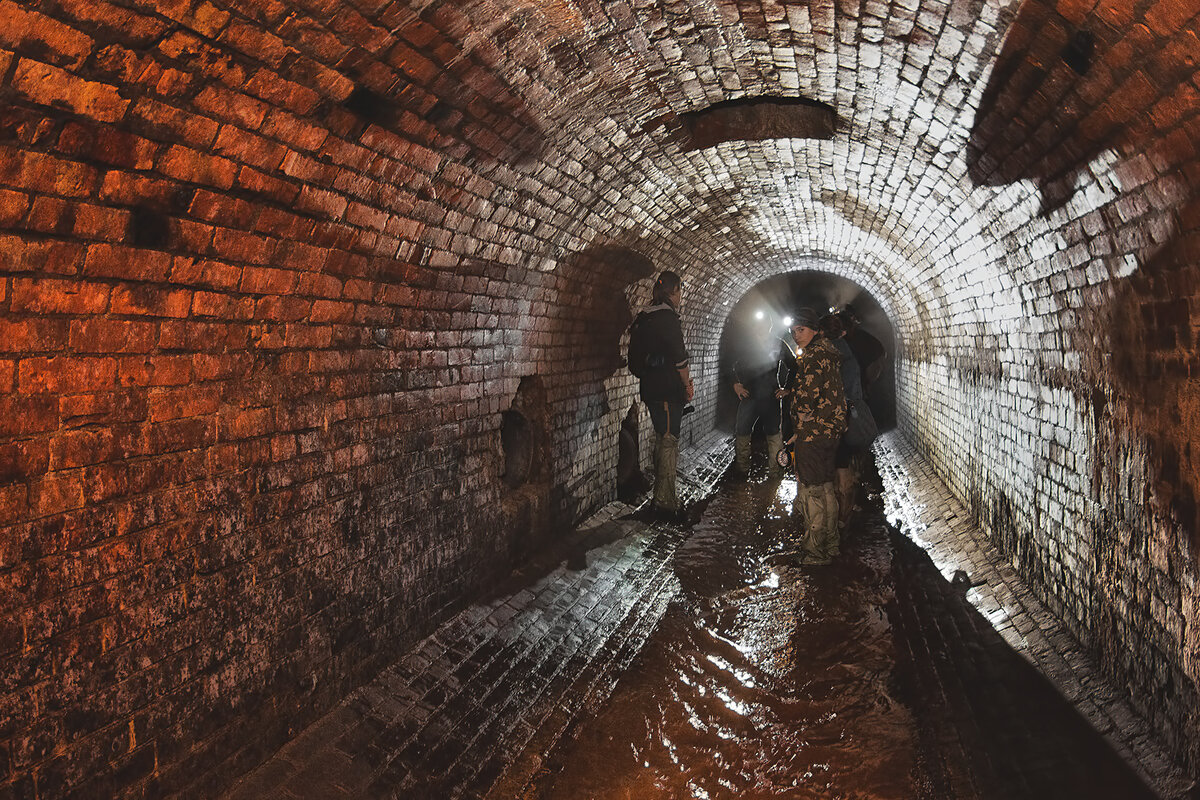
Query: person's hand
[
  {"x": 741, "y": 391},
  {"x": 691, "y": 390},
  {"x": 781, "y": 393}
]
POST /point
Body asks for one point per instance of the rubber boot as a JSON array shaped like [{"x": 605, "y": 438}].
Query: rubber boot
[
  {"x": 811, "y": 502},
  {"x": 833, "y": 536},
  {"x": 741, "y": 461},
  {"x": 846, "y": 489},
  {"x": 666, "y": 456},
  {"x": 774, "y": 445}
]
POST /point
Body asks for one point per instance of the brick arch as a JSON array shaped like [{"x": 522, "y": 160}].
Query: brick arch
[{"x": 271, "y": 273}]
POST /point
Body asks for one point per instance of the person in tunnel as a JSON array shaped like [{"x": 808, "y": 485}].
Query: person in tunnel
[
  {"x": 665, "y": 384},
  {"x": 756, "y": 377},
  {"x": 818, "y": 411},
  {"x": 861, "y": 429},
  {"x": 868, "y": 350}
]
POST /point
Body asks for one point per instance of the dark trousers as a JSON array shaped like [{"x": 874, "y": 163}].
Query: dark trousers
[
  {"x": 758, "y": 409},
  {"x": 815, "y": 461},
  {"x": 665, "y": 416}
]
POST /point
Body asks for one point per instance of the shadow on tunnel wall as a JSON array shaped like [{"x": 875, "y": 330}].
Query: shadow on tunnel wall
[
  {"x": 582, "y": 331},
  {"x": 1064, "y": 90},
  {"x": 1105, "y": 95},
  {"x": 989, "y": 724},
  {"x": 459, "y": 115},
  {"x": 779, "y": 296}
]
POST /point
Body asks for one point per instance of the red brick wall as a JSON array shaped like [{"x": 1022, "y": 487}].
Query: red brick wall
[
  {"x": 256, "y": 332},
  {"x": 270, "y": 272}
]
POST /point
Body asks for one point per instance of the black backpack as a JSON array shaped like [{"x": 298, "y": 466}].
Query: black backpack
[{"x": 641, "y": 356}]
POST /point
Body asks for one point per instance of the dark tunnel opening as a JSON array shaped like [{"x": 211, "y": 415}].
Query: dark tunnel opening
[{"x": 777, "y": 298}]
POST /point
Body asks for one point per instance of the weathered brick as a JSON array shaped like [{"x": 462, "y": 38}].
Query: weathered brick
[
  {"x": 265, "y": 280},
  {"x": 33, "y": 335},
  {"x": 223, "y": 366},
  {"x": 112, "y": 336},
  {"x": 65, "y": 374},
  {"x": 43, "y": 173},
  {"x": 1167, "y": 17},
  {"x": 101, "y": 223},
  {"x": 193, "y": 166},
  {"x": 51, "y": 86},
  {"x": 202, "y": 272},
  {"x": 282, "y": 309},
  {"x": 114, "y": 19},
  {"x": 13, "y": 206},
  {"x": 113, "y": 261},
  {"x": 243, "y": 247},
  {"x": 58, "y": 296},
  {"x": 191, "y": 401},
  {"x": 14, "y": 503},
  {"x": 21, "y": 415},
  {"x": 105, "y": 407},
  {"x": 79, "y": 448},
  {"x": 55, "y": 493},
  {"x": 27, "y": 31},
  {"x": 202, "y": 336},
  {"x": 213, "y": 304},
  {"x": 150, "y": 301},
  {"x": 24, "y": 460},
  {"x": 254, "y": 41}
]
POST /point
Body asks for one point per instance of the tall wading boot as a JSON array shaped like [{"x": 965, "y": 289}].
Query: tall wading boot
[
  {"x": 741, "y": 460},
  {"x": 811, "y": 502},
  {"x": 846, "y": 489},
  {"x": 774, "y": 445},
  {"x": 833, "y": 535},
  {"x": 666, "y": 457}
]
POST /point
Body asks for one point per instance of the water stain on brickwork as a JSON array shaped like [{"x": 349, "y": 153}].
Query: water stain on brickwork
[
  {"x": 524, "y": 505},
  {"x": 1050, "y": 114}
]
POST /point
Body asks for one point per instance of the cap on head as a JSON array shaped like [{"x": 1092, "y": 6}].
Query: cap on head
[{"x": 806, "y": 317}]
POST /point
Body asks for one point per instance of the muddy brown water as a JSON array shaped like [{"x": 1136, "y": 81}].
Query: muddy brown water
[
  {"x": 768, "y": 680},
  {"x": 763, "y": 680}
]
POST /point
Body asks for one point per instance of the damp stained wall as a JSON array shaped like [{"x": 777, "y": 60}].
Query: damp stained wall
[{"x": 272, "y": 273}]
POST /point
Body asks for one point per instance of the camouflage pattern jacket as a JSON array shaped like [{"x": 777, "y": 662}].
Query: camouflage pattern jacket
[{"x": 818, "y": 404}]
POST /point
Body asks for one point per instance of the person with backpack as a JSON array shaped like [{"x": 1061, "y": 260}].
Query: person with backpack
[{"x": 659, "y": 360}]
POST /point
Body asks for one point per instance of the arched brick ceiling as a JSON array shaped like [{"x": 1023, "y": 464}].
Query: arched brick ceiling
[
  {"x": 271, "y": 270},
  {"x": 889, "y": 198}
]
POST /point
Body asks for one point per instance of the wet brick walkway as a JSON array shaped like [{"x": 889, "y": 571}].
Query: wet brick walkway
[
  {"x": 978, "y": 577},
  {"x": 479, "y": 707}
]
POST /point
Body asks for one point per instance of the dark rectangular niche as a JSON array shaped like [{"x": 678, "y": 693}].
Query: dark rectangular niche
[{"x": 758, "y": 118}]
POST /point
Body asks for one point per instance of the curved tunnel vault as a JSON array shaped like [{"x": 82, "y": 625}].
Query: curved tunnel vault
[{"x": 272, "y": 273}]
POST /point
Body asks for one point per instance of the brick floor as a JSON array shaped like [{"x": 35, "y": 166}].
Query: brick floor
[
  {"x": 927, "y": 514},
  {"x": 477, "y": 707}
]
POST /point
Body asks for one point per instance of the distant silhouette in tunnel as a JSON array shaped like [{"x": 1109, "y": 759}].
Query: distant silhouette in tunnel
[{"x": 783, "y": 293}]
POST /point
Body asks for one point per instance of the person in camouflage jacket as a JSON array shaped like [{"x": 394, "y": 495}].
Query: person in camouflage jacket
[{"x": 818, "y": 412}]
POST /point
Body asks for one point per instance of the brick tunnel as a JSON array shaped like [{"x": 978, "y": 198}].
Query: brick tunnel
[{"x": 312, "y": 314}]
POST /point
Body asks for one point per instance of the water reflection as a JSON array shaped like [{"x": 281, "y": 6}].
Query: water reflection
[{"x": 763, "y": 680}]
